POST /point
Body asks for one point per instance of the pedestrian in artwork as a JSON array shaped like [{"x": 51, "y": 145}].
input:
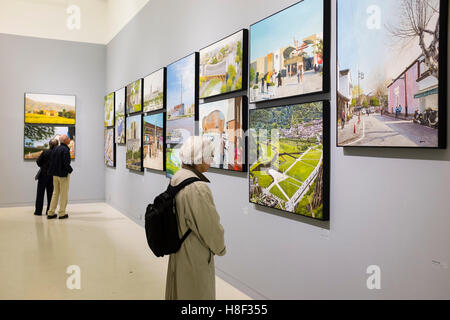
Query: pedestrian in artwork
[
  {"x": 280, "y": 83},
  {"x": 343, "y": 119},
  {"x": 262, "y": 83},
  {"x": 268, "y": 82}
]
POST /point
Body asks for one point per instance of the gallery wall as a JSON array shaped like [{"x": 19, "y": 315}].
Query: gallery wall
[
  {"x": 389, "y": 207},
  {"x": 55, "y": 67}
]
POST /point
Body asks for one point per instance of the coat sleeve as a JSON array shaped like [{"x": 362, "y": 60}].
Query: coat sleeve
[
  {"x": 206, "y": 219},
  {"x": 67, "y": 166}
]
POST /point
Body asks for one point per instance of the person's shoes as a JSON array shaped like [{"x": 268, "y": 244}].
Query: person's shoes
[
  {"x": 64, "y": 217},
  {"x": 38, "y": 214},
  {"x": 52, "y": 217}
]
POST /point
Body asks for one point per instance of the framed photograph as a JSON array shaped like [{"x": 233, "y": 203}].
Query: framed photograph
[
  {"x": 50, "y": 109},
  {"x": 37, "y": 139},
  {"x": 154, "y": 141},
  {"x": 392, "y": 73},
  {"x": 155, "y": 91},
  {"x": 120, "y": 116},
  {"x": 224, "y": 123},
  {"x": 110, "y": 148},
  {"x": 134, "y": 97},
  {"x": 182, "y": 105},
  {"x": 109, "y": 110},
  {"x": 223, "y": 66},
  {"x": 289, "y": 155},
  {"x": 289, "y": 52},
  {"x": 134, "y": 143}
]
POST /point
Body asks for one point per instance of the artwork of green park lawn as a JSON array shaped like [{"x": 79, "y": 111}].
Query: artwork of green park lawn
[
  {"x": 211, "y": 85},
  {"x": 264, "y": 179},
  {"x": 277, "y": 192},
  {"x": 307, "y": 199},
  {"x": 290, "y": 187}
]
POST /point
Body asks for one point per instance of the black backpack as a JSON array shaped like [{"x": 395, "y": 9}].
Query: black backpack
[{"x": 161, "y": 225}]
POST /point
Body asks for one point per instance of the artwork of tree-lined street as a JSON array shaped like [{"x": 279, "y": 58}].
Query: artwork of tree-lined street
[
  {"x": 388, "y": 69},
  {"x": 286, "y": 158}
]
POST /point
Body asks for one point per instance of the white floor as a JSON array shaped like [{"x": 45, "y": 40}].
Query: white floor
[{"x": 109, "y": 248}]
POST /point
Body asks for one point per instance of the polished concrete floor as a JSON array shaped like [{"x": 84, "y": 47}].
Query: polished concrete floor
[{"x": 110, "y": 250}]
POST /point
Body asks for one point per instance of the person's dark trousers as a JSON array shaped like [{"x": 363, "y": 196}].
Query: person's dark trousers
[{"x": 45, "y": 183}]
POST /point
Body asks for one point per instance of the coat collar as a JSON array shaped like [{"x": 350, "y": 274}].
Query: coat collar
[{"x": 196, "y": 172}]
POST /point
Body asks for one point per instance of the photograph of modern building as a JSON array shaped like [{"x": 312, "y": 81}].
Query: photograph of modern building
[
  {"x": 134, "y": 143},
  {"x": 286, "y": 53},
  {"x": 154, "y": 141},
  {"x": 388, "y": 88},
  {"x": 222, "y": 122},
  {"x": 154, "y": 91},
  {"x": 222, "y": 65},
  {"x": 120, "y": 116}
]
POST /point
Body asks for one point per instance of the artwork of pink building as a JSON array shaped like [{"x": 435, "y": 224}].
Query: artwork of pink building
[
  {"x": 403, "y": 89},
  {"x": 415, "y": 89}
]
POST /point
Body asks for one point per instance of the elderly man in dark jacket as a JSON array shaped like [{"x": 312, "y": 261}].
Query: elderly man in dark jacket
[
  {"x": 45, "y": 180},
  {"x": 60, "y": 169}
]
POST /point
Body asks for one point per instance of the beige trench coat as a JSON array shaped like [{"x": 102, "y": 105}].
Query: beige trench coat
[{"x": 191, "y": 272}]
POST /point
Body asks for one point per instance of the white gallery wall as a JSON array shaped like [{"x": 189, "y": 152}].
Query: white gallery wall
[
  {"x": 54, "y": 67},
  {"x": 388, "y": 207}
]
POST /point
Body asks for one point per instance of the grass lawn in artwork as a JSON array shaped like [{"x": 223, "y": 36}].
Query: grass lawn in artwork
[
  {"x": 49, "y": 109},
  {"x": 37, "y": 138},
  {"x": 134, "y": 143},
  {"x": 286, "y": 158}
]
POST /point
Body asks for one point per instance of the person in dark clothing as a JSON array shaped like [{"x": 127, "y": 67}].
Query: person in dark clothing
[
  {"x": 45, "y": 181},
  {"x": 60, "y": 169}
]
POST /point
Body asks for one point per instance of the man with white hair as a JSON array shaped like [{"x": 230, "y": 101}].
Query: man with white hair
[
  {"x": 60, "y": 169},
  {"x": 191, "y": 272}
]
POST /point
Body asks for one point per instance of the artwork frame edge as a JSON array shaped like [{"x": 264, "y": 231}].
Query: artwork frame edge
[
  {"x": 326, "y": 79},
  {"x": 245, "y": 64},
  {"x": 326, "y": 165},
  {"x": 442, "y": 98}
]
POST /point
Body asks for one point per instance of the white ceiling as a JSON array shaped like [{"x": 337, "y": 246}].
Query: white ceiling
[{"x": 100, "y": 20}]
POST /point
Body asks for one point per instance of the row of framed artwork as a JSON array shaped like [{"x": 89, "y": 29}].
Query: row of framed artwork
[{"x": 289, "y": 56}]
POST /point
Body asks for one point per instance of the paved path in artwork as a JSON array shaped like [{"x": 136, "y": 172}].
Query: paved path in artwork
[{"x": 385, "y": 131}]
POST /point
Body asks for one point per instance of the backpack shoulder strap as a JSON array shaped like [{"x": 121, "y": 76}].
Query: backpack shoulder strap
[{"x": 174, "y": 190}]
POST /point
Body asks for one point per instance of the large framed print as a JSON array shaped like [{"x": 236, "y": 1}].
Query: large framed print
[
  {"x": 120, "y": 116},
  {"x": 223, "y": 66},
  {"x": 154, "y": 141},
  {"x": 109, "y": 110},
  {"x": 224, "y": 123},
  {"x": 50, "y": 109},
  {"x": 290, "y": 52},
  {"x": 134, "y": 143},
  {"x": 289, "y": 153},
  {"x": 110, "y": 148},
  {"x": 182, "y": 105},
  {"x": 155, "y": 91},
  {"x": 134, "y": 97},
  {"x": 37, "y": 139},
  {"x": 392, "y": 73}
]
